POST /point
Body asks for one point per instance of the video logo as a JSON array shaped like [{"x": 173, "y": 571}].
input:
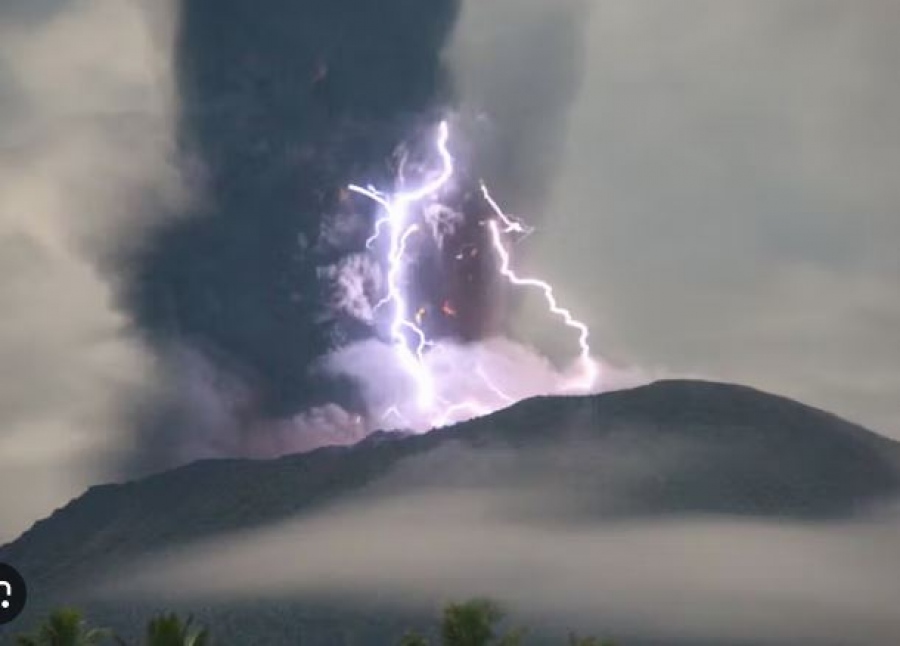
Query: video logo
[{"x": 13, "y": 593}]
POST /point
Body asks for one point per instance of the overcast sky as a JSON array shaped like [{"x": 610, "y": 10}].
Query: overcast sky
[
  {"x": 726, "y": 202},
  {"x": 85, "y": 125}
]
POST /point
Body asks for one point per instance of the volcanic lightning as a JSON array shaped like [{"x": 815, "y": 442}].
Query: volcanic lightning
[
  {"x": 408, "y": 339},
  {"x": 588, "y": 367}
]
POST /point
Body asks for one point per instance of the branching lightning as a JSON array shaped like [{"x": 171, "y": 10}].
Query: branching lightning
[
  {"x": 409, "y": 341},
  {"x": 587, "y": 365}
]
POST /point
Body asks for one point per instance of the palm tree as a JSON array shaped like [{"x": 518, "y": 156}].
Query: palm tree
[
  {"x": 473, "y": 623},
  {"x": 169, "y": 630},
  {"x": 65, "y": 627}
]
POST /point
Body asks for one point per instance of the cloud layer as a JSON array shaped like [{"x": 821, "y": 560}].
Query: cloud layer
[
  {"x": 85, "y": 150},
  {"x": 695, "y": 578}
]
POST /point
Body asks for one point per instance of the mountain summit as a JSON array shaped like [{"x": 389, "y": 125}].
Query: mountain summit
[{"x": 672, "y": 448}]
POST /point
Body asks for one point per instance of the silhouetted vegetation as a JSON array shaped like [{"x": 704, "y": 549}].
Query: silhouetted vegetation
[
  {"x": 170, "y": 630},
  {"x": 472, "y": 623},
  {"x": 476, "y": 623},
  {"x": 65, "y": 627}
]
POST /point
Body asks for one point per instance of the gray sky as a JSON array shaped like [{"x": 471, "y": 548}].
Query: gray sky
[
  {"x": 84, "y": 143},
  {"x": 726, "y": 202}
]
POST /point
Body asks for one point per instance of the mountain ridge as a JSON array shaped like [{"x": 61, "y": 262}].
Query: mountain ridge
[
  {"x": 668, "y": 448},
  {"x": 663, "y": 402}
]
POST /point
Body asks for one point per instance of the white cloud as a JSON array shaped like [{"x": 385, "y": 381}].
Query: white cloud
[{"x": 709, "y": 578}]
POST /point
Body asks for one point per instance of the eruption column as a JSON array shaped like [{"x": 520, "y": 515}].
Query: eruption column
[
  {"x": 396, "y": 218},
  {"x": 436, "y": 410}
]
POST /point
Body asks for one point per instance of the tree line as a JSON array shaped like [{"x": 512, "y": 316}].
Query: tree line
[{"x": 471, "y": 623}]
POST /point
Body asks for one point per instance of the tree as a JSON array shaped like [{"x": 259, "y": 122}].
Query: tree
[
  {"x": 169, "y": 630},
  {"x": 65, "y": 627},
  {"x": 473, "y": 623}
]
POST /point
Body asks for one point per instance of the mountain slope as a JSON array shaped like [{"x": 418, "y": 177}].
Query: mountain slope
[{"x": 670, "y": 448}]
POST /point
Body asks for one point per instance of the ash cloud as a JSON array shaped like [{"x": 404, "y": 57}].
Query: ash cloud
[
  {"x": 193, "y": 188},
  {"x": 489, "y": 374},
  {"x": 211, "y": 408},
  {"x": 267, "y": 286},
  {"x": 285, "y": 103},
  {"x": 518, "y": 65},
  {"x": 87, "y": 166}
]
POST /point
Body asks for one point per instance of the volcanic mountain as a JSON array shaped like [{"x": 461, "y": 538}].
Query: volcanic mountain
[{"x": 669, "y": 450}]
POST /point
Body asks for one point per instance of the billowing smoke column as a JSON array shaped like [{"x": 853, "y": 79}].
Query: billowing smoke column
[
  {"x": 403, "y": 218},
  {"x": 285, "y": 319}
]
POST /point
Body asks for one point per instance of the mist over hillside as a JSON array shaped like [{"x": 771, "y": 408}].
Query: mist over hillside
[{"x": 769, "y": 521}]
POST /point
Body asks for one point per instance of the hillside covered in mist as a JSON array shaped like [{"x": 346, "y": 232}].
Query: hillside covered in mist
[{"x": 735, "y": 499}]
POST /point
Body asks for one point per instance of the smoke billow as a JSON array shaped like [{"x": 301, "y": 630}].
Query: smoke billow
[
  {"x": 87, "y": 167},
  {"x": 481, "y": 377},
  {"x": 272, "y": 288},
  {"x": 519, "y": 65},
  {"x": 282, "y": 103},
  {"x": 175, "y": 179},
  {"x": 708, "y": 579}
]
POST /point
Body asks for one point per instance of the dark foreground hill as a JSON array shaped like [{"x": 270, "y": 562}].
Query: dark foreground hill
[{"x": 671, "y": 449}]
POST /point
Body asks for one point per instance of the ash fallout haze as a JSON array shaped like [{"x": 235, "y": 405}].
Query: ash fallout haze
[{"x": 249, "y": 230}]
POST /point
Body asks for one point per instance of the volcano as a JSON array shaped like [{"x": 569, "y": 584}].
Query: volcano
[{"x": 672, "y": 449}]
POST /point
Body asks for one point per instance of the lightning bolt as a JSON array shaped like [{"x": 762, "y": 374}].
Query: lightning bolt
[
  {"x": 374, "y": 195},
  {"x": 494, "y": 388},
  {"x": 588, "y": 367},
  {"x": 408, "y": 338},
  {"x": 509, "y": 225},
  {"x": 396, "y": 219}
]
